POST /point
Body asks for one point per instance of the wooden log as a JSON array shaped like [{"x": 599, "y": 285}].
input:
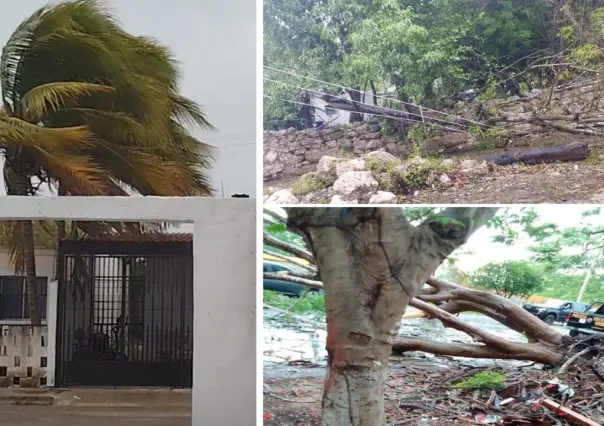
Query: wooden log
[{"x": 576, "y": 151}]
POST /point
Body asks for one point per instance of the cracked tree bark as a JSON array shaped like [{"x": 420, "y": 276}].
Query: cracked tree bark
[{"x": 372, "y": 261}]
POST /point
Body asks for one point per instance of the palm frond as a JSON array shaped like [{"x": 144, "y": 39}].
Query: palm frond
[
  {"x": 36, "y": 104},
  {"x": 78, "y": 173}
]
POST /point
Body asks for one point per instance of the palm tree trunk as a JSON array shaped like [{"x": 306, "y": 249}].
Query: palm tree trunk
[
  {"x": 29, "y": 259},
  {"x": 20, "y": 186},
  {"x": 60, "y": 233}
]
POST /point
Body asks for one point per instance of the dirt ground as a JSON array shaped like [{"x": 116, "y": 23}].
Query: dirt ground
[
  {"x": 18, "y": 415},
  {"x": 297, "y": 401},
  {"x": 555, "y": 183}
]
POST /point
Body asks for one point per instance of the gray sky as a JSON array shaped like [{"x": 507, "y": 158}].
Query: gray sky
[{"x": 215, "y": 41}]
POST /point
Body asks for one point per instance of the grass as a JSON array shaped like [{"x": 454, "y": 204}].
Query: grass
[
  {"x": 307, "y": 303},
  {"x": 483, "y": 380}
]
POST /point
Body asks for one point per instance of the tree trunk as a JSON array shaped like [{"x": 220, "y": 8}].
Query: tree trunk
[
  {"x": 29, "y": 259},
  {"x": 571, "y": 152},
  {"x": 587, "y": 279},
  {"x": 60, "y": 233},
  {"x": 20, "y": 184},
  {"x": 372, "y": 261}
]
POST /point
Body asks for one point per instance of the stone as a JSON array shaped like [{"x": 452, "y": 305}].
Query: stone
[
  {"x": 467, "y": 165},
  {"x": 446, "y": 141},
  {"x": 373, "y": 144},
  {"x": 383, "y": 157},
  {"x": 345, "y": 143},
  {"x": 310, "y": 141},
  {"x": 328, "y": 164},
  {"x": 359, "y": 144},
  {"x": 355, "y": 182},
  {"x": 383, "y": 197},
  {"x": 331, "y": 144},
  {"x": 338, "y": 199},
  {"x": 283, "y": 196},
  {"x": 270, "y": 157},
  {"x": 300, "y": 151},
  {"x": 373, "y": 135},
  {"x": 358, "y": 164},
  {"x": 334, "y": 136},
  {"x": 391, "y": 148},
  {"x": 444, "y": 179}
]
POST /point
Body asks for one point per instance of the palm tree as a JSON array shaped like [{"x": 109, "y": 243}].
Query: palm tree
[{"x": 89, "y": 109}]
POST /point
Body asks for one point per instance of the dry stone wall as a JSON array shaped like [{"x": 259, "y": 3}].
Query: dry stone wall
[{"x": 294, "y": 152}]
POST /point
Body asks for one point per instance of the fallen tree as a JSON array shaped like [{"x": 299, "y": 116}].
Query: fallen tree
[
  {"x": 372, "y": 263},
  {"x": 570, "y": 152}
]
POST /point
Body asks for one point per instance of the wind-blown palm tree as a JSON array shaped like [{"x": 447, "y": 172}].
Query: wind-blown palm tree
[{"x": 89, "y": 109}]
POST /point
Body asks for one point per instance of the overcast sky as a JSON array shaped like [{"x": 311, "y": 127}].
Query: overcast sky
[{"x": 215, "y": 41}]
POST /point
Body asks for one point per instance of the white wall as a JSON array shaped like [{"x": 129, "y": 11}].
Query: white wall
[
  {"x": 21, "y": 347},
  {"x": 44, "y": 263},
  {"x": 224, "y": 249},
  {"x": 341, "y": 117}
]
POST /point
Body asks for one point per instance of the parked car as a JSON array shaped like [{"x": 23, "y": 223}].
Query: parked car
[
  {"x": 281, "y": 286},
  {"x": 552, "y": 311},
  {"x": 590, "y": 321}
]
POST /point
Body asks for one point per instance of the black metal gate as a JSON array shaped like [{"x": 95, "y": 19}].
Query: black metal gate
[{"x": 125, "y": 314}]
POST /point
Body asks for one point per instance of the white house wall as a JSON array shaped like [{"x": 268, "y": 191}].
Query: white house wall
[
  {"x": 24, "y": 350},
  {"x": 224, "y": 294}
]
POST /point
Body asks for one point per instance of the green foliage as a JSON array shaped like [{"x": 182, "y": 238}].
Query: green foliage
[
  {"x": 508, "y": 279},
  {"x": 586, "y": 54},
  {"x": 309, "y": 302},
  {"x": 418, "y": 50},
  {"x": 490, "y": 91},
  {"x": 486, "y": 138},
  {"x": 483, "y": 380}
]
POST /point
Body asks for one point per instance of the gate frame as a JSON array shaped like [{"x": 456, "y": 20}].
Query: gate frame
[
  {"x": 167, "y": 249},
  {"x": 224, "y": 377}
]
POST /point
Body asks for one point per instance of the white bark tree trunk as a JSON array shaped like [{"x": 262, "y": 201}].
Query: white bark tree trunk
[
  {"x": 372, "y": 261},
  {"x": 588, "y": 276}
]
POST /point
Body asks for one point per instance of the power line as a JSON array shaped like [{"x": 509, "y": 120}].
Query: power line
[
  {"x": 385, "y": 116},
  {"x": 364, "y": 103},
  {"x": 377, "y": 96}
]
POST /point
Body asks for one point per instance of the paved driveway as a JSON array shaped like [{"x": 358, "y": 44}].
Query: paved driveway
[{"x": 14, "y": 415}]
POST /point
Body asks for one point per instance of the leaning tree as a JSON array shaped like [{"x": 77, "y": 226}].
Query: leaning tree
[{"x": 374, "y": 262}]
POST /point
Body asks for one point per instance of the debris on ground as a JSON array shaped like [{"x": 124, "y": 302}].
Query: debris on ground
[{"x": 457, "y": 394}]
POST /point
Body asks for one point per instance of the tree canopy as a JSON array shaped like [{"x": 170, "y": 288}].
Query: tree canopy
[
  {"x": 424, "y": 50},
  {"x": 508, "y": 279}
]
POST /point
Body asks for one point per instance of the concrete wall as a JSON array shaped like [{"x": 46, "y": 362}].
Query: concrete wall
[
  {"x": 24, "y": 350},
  {"x": 224, "y": 270}
]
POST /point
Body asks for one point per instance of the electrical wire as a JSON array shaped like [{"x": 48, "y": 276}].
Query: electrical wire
[
  {"x": 377, "y": 96},
  {"x": 378, "y": 115}
]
